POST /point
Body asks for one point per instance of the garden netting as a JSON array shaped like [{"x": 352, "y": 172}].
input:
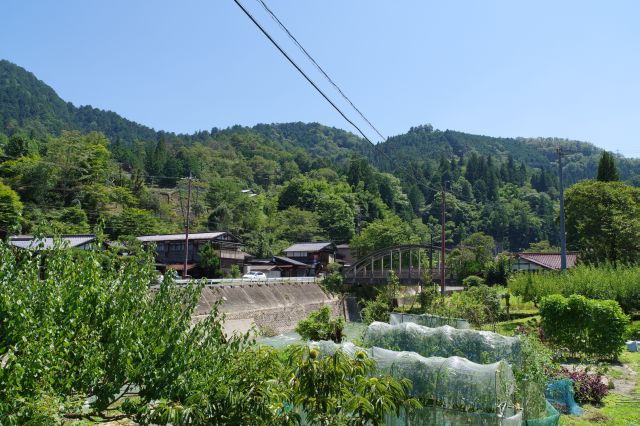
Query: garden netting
[
  {"x": 478, "y": 346},
  {"x": 561, "y": 394},
  {"x": 551, "y": 418},
  {"x": 452, "y": 390},
  {"x": 428, "y": 320}
]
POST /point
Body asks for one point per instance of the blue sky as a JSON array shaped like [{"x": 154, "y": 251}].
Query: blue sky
[{"x": 501, "y": 68}]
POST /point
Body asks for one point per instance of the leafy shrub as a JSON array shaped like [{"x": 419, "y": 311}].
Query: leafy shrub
[
  {"x": 478, "y": 305},
  {"x": 320, "y": 326},
  {"x": 589, "y": 388},
  {"x": 235, "y": 271},
  {"x": 375, "y": 310},
  {"x": 584, "y": 326},
  {"x": 378, "y": 309},
  {"x": 340, "y": 390},
  {"x": 472, "y": 281},
  {"x": 333, "y": 282},
  {"x": 603, "y": 283},
  {"x": 427, "y": 296},
  {"x": 532, "y": 372},
  {"x": 633, "y": 331},
  {"x": 498, "y": 272},
  {"x": 89, "y": 326}
]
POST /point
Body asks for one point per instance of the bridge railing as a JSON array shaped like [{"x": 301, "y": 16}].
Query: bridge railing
[{"x": 247, "y": 281}]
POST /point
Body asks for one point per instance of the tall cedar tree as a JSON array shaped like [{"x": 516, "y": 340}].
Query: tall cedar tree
[{"x": 607, "y": 171}]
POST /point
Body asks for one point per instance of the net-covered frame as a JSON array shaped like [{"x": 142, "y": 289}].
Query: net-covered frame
[
  {"x": 482, "y": 347},
  {"x": 428, "y": 320},
  {"x": 452, "y": 390}
]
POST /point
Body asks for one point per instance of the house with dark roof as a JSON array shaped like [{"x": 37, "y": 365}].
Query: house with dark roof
[
  {"x": 317, "y": 255},
  {"x": 279, "y": 266},
  {"x": 170, "y": 250},
  {"x": 344, "y": 255},
  {"x": 75, "y": 241},
  {"x": 541, "y": 261}
]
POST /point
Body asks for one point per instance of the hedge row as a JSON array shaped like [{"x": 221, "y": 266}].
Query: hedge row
[
  {"x": 584, "y": 326},
  {"x": 604, "y": 283}
]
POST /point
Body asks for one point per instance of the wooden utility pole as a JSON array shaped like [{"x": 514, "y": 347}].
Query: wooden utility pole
[
  {"x": 431, "y": 257},
  {"x": 186, "y": 228},
  {"x": 563, "y": 235},
  {"x": 443, "y": 238}
]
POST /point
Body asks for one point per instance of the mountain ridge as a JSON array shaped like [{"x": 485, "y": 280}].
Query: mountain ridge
[{"x": 27, "y": 103}]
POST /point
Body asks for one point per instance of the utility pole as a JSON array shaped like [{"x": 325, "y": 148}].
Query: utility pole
[
  {"x": 186, "y": 228},
  {"x": 431, "y": 256},
  {"x": 563, "y": 236},
  {"x": 443, "y": 237}
]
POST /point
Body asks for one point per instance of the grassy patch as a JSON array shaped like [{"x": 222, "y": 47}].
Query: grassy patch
[
  {"x": 508, "y": 328},
  {"x": 616, "y": 409}
]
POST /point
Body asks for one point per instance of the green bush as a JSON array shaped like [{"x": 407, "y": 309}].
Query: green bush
[
  {"x": 633, "y": 331},
  {"x": 379, "y": 308},
  {"x": 603, "y": 283},
  {"x": 427, "y": 296},
  {"x": 497, "y": 272},
  {"x": 320, "y": 326},
  {"x": 472, "y": 281},
  {"x": 478, "y": 305},
  {"x": 235, "y": 271},
  {"x": 584, "y": 326},
  {"x": 375, "y": 310},
  {"x": 333, "y": 282}
]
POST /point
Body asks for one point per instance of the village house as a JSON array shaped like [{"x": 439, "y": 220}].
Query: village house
[
  {"x": 75, "y": 241},
  {"x": 535, "y": 262},
  {"x": 317, "y": 255},
  {"x": 280, "y": 267},
  {"x": 170, "y": 250},
  {"x": 344, "y": 256}
]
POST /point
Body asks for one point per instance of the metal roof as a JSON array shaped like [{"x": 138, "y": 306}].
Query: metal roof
[
  {"x": 46, "y": 243},
  {"x": 178, "y": 237},
  {"x": 307, "y": 247},
  {"x": 549, "y": 260},
  {"x": 291, "y": 261}
]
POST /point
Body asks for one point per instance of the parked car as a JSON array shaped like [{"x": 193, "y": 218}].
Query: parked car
[{"x": 254, "y": 276}]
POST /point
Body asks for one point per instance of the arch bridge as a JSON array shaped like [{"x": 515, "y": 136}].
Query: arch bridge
[{"x": 412, "y": 263}]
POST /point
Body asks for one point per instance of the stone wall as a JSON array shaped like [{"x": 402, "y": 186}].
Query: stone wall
[{"x": 273, "y": 306}]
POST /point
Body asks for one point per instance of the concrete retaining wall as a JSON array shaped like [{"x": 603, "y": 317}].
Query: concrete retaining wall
[{"x": 274, "y": 306}]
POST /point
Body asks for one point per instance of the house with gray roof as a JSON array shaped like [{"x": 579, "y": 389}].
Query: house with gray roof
[
  {"x": 170, "y": 250},
  {"x": 76, "y": 241},
  {"x": 316, "y": 254}
]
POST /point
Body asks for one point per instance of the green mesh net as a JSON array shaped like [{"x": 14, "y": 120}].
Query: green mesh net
[
  {"x": 453, "y": 390},
  {"x": 478, "y": 346},
  {"x": 428, "y": 320}
]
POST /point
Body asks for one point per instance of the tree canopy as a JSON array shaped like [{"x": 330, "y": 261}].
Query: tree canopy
[{"x": 603, "y": 221}]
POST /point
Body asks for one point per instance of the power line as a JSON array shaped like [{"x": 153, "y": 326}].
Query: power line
[
  {"x": 246, "y": 12},
  {"x": 308, "y": 55},
  {"x": 315, "y": 86}
]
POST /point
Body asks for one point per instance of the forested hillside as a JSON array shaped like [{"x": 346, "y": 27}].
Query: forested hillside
[{"x": 68, "y": 169}]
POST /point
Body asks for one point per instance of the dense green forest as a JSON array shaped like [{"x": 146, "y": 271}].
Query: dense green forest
[{"x": 79, "y": 169}]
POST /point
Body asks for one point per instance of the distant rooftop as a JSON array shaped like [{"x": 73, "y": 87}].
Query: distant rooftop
[
  {"x": 47, "y": 243},
  {"x": 549, "y": 260},
  {"x": 178, "y": 237},
  {"x": 290, "y": 261},
  {"x": 308, "y": 247}
]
